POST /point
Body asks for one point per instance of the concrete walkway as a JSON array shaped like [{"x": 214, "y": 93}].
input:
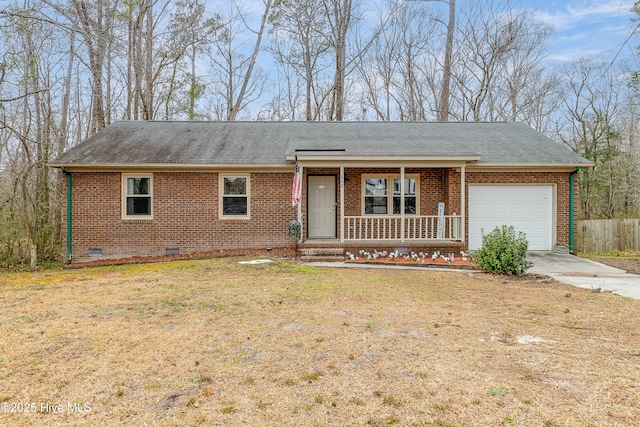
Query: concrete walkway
[
  {"x": 585, "y": 273},
  {"x": 568, "y": 269}
]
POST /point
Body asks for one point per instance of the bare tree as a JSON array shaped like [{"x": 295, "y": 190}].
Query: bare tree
[
  {"x": 237, "y": 81},
  {"x": 378, "y": 70},
  {"x": 593, "y": 108},
  {"x": 299, "y": 42},
  {"x": 240, "y": 98},
  {"x": 33, "y": 129},
  {"x": 192, "y": 34},
  {"x": 398, "y": 71},
  {"x": 443, "y": 106},
  {"x": 94, "y": 20},
  {"x": 339, "y": 17},
  {"x": 500, "y": 54}
]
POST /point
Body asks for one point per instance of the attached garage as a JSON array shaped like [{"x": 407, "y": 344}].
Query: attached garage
[{"x": 528, "y": 208}]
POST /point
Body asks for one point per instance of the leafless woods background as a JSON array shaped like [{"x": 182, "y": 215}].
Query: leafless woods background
[{"x": 69, "y": 68}]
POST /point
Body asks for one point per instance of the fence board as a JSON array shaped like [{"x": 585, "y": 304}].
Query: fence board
[
  {"x": 603, "y": 235},
  {"x": 632, "y": 233}
]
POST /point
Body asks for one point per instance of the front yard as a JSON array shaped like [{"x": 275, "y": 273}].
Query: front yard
[{"x": 214, "y": 342}]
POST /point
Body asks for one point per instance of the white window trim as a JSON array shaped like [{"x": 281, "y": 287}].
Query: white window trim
[
  {"x": 124, "y": 195},
  {"x": 390, "y": 178},
  {"x": 221, "y": 195}
]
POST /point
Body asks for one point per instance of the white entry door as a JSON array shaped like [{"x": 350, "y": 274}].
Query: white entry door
[
  {"x": 322, "y": 206},
  {"x": 528, "y": 208}
]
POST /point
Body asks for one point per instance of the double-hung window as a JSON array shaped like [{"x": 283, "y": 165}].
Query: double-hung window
[
  {"x": 376, "y": 196},
  {"x": 137, "y": 196},
  {"x": 410, "y": 196},
  {"x": 234, "y": 196},
  {"x": 382, "y": 194}
]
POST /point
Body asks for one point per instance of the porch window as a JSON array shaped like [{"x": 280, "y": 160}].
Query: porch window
[
  {"x": 137, "y": 196},
  {"x": 378, "y": 199},
  {"x": 410, "y": 196},
  {"x": 234, "y": 196}
]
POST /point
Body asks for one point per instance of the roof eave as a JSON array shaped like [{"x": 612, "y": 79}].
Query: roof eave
[
  {"x": 528, "y": 167},
  {"x": 159, "y": 167}
]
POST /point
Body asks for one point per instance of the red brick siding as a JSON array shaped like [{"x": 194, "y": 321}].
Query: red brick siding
[
  {"x": 185, "y": 215},
  {"x": 186, "y": 208}
]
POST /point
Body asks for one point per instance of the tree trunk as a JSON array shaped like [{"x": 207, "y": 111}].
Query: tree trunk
[
  {"x": 443, "y": 110},
  {"x": 252, "y": 62}
]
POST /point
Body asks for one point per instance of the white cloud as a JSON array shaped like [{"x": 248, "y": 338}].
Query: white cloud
[
  {"x": 581, "y": 13},
  {"x": 586, "y": 28}
]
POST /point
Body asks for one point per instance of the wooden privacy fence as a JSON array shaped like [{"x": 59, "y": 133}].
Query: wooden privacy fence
[{"x": 603, "y": 235}]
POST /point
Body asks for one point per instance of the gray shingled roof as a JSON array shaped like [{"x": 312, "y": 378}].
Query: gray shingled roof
[{"x": 269, "y": 143}]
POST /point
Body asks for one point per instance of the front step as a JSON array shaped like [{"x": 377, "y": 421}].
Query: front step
[
  {"x": 561, "y": 249},
  {"x": 321, "y": 254}
]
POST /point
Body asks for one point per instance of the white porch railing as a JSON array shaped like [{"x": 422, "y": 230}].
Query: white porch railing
[{"x": 390, "y": 227}]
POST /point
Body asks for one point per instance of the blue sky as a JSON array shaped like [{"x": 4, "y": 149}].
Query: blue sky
[
  {"x": 583, "y": 28},
  {"x": 597, "y": 29}
]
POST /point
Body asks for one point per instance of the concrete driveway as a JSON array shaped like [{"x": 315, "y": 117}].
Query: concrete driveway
[{"x": 585, "y": 273}]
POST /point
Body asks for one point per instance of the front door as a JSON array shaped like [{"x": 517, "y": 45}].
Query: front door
[{"x": 322, "y": 206}]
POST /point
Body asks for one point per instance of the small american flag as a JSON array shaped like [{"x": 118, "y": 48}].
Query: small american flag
[{"x": 296, "y": 192}]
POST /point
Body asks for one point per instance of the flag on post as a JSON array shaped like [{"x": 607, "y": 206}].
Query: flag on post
[{"x": 296, "y": 191}]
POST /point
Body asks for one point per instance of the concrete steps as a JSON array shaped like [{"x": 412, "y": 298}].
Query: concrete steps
[
  {"x": 321, "y": 254},
  {"x": 561, "y": 249}
]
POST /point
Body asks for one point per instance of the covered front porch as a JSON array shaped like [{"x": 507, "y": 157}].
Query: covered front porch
[{"x": 368, "y": 203}]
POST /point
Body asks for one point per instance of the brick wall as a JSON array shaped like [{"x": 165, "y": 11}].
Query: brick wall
[
  {"x": 185, "y": 216},
  {"x": 186, "y": 209}
]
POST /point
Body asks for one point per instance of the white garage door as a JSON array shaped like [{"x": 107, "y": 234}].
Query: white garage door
[{"x": 528, "y": 208}]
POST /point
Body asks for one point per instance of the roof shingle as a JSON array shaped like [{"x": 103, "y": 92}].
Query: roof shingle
[{"x": 269, "y": 143}]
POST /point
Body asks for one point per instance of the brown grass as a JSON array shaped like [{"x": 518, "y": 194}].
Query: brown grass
[{"x": 214, "y": 342}]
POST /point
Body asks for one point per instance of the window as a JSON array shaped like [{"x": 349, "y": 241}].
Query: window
[
  {"x": 376, "y": 197},
  {"x": 410, "y": 198},
  {"x": 234, "y": 196},
  {"x": 137, "y": 196},
  {"x": 379, "y": 201}
]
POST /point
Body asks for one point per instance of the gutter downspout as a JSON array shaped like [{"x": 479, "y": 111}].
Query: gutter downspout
[
  {"x": 571, "y": 208},
  {"x": 69, "y": 222}
]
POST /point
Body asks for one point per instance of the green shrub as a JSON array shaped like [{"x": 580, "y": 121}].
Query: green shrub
[
  {"x": 504, "y": 252},
  {"x": 294, "y": 229}
]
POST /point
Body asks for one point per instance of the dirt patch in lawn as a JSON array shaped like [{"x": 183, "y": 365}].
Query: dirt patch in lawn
[
  {"x": 214, "y": 342},
  {"x": 631, "y": 265}
]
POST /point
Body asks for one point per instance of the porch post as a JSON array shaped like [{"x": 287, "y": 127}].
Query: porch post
[
  {"x": 401, "y": 203},
  {"x": 463, "y": 207},
  {"x": 300, "y": 205},
  {"x": 341, "y": 204}
]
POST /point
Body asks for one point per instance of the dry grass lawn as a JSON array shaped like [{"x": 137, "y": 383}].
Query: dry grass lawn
[{"x": 214, "y": 342}]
